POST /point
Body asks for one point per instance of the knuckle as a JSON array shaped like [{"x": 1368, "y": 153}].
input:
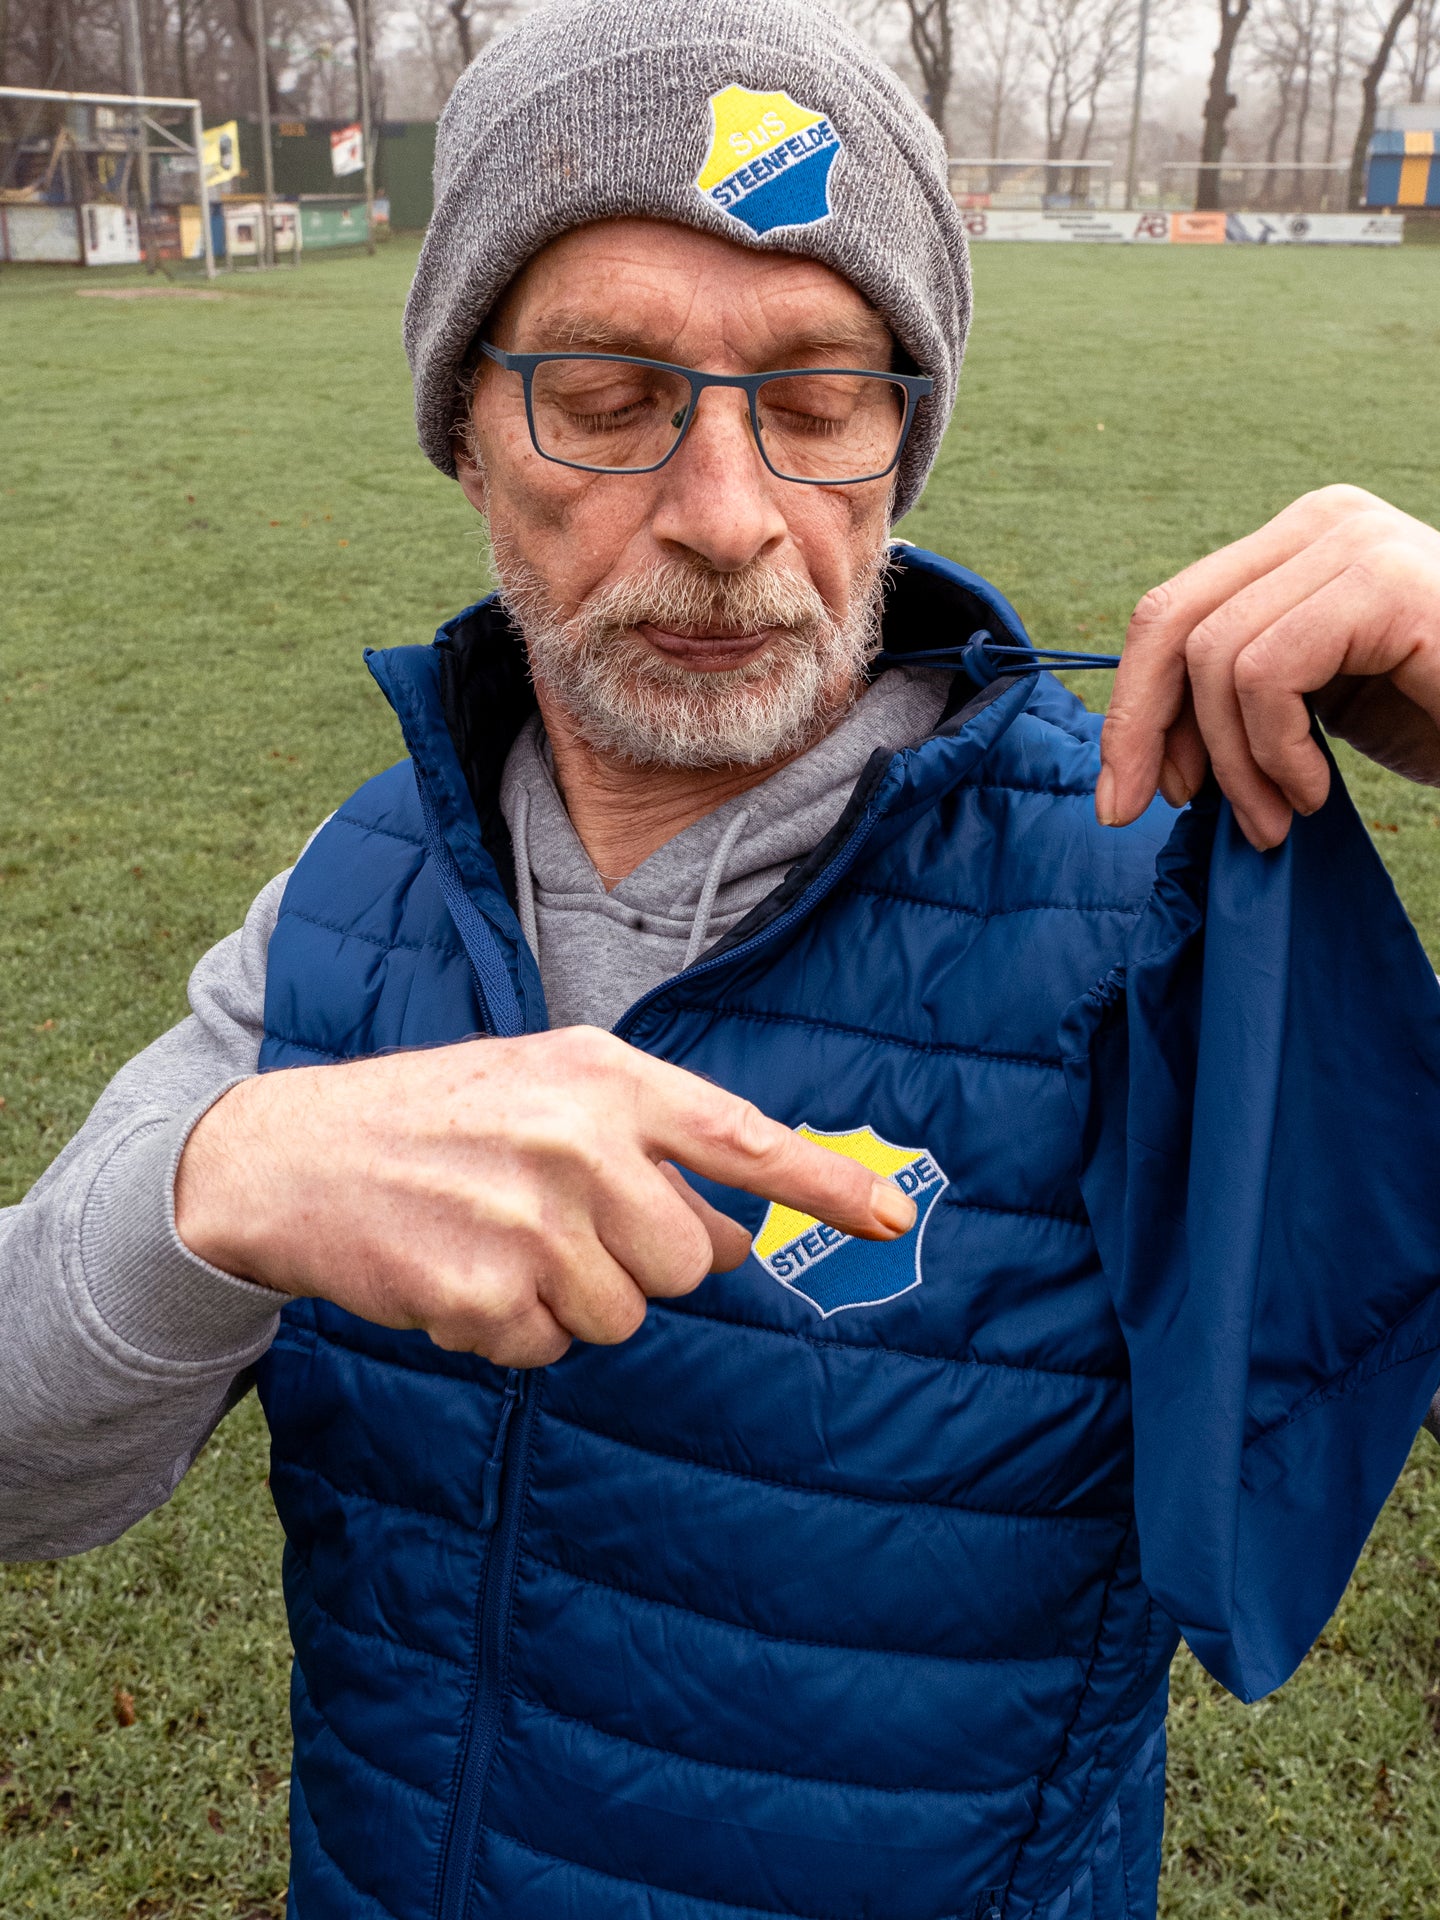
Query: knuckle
[
  {"x": 745, "y": 1129},
  {"x": 619, "y": 1319},
  {"x": 587, "y": 1050},
  {"x": 692, "y": 1259},
  {"x": 1338, "y": 500},
  {"x": 1153, "y": 610},
  {"x": 1207, "y": 643},
  {"x": 1255, "y": 669}
]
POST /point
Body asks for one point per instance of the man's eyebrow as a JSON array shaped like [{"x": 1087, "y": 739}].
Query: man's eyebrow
[
  {"x": 575, "y": 331},
  {"x": 589, "y": 333}
]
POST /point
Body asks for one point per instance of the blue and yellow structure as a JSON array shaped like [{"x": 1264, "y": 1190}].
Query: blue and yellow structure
[{"x": 1403, "y": 169}]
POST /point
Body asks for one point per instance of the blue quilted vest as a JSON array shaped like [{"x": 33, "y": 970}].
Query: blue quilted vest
[{"x": 819, "y": 1597}]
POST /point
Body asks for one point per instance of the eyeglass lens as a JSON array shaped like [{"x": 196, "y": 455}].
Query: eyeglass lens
[{"x": 623, "y": 417}]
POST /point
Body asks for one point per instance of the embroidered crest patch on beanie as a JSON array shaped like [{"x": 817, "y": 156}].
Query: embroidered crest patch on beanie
[
  {"x": 766, "y": 123},
  {"x": 769, "y": 160}
]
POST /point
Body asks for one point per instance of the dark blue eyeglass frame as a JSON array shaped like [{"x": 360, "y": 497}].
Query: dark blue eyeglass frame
[{"x": 916, "y": 386}]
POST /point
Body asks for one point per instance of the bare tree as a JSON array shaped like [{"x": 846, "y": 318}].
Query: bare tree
[
  {"x": 1370, "y": 96},
  {"x": 1289, "y": 38},
  {"x": 452, "y": 32},
  {"x": 1080, "y": 46},
  {"x": 999, "y": 38},
  {"x": 1423, "y": 57},
  {"x": 932, "y": 41},
  {"x": 1220, "y": 102}
]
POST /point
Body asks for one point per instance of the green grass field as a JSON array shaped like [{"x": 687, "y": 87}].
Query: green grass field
[{"x": 207, "y": 508}]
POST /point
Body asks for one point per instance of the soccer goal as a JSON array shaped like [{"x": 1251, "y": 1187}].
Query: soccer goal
[
  {"x": 1272, "y": 186},
  {"x": 102, "y": 178},
  {"x": 1028, "y": 184}
]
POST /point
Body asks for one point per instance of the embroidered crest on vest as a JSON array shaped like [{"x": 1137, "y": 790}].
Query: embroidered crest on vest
[
  {"x": 833, "y": 1270},
  {"x": 769, "y": 160}
]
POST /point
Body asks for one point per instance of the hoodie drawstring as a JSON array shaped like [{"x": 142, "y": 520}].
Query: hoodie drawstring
[
  {"x": 715, "y": 873},
  {"x": 525, "y": 879}
]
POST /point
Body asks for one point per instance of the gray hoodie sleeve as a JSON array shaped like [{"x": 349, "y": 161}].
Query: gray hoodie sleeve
[{"x": 122, "y": 1350}]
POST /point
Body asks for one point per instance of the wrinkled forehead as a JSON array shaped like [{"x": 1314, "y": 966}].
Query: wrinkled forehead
[{"x": 654, "y": 287}]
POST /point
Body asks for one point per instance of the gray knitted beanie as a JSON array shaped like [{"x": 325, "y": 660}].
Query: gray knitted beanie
[{"x": 764, "y": 121}]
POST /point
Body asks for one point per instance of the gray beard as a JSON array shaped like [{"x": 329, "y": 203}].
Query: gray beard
[{"x": 628, "y": 703}]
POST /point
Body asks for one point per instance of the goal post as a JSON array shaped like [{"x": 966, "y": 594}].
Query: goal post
[
  {"x": 1277, "y": 186},
  {"x": 142, "y": 109},
  {"x": 1028, "y": 184}
]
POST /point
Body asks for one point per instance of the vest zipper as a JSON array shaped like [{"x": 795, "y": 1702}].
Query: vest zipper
[
  {"x": 503, "y": 1499},
  {"x": 827, "y": 878},
  {"x": 844, "y": 858},
  {"x": 503, "y": 1489},
  {"x": 505, "y": 1471},
  {"x": 490, "y": 1474}
]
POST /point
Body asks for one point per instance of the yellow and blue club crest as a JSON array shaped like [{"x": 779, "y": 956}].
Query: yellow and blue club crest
[
  {"x": 833, "y": 1270},
  {"x": 769, "y": 160}
]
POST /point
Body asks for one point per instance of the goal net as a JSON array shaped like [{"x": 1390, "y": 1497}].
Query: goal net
[
  {"x": 1290, "y": 186},
  {"x": 101, "y": 179},
  {"x": 1028, "y": 184}
]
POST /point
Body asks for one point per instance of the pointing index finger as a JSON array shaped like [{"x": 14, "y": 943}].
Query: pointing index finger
[{"x": 729, "y": 1140}]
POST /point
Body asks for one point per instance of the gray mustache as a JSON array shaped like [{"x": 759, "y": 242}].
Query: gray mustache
[{"x": 676, "y": 595}]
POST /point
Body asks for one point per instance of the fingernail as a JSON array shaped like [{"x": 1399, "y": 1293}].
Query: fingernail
[
  {"x": 891, "y": 1208},
  {"x": 1105, "y": 799},
  {"x": 1173, "y": 784}
]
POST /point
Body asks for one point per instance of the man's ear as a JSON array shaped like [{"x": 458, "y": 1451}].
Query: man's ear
[{"x": 468, "y": 469}]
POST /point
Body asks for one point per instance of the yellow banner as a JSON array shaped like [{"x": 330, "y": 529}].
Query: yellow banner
[{"x": 222, "y": 154}]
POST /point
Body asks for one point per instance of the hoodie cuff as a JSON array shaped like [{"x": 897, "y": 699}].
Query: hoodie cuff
[{"x": 155, "y": 1295}]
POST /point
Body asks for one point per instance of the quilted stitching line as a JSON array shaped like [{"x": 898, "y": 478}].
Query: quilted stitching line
[
  {"x": 372, "y": 1900},
  {"x": 767, "y": 1773},
  {"x": 1131, "y": 909},
  {"x": 426, "y": 1654},
  {"x": 305, "y": 1046},
  {"x": 385, "y": 833},
  {"x": 700, "y": 1902},
  {"x": 381, "y": 1359},
  {"x": 374, "y": 1500},
  {"x": 831, "y": 1493},
  {"x": 899, "y": 1353},
  {"x": 763, "y": 1016},
  {"x": 792, "y": 1640},
  {"x": 447, "y": 948},
  {"x": 1010, "y": 786},
  {"x": 370, "y": 1766},
  {"x": 1018, "y": 1213}
]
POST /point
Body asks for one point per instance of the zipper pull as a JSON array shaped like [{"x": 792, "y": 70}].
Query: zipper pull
[
  {"x": 490, "y": 1476},
  {"x": 987, "y": 1907}
]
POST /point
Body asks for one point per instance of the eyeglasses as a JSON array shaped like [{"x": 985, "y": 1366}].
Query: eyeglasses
[{"x": 612, "y": 413}]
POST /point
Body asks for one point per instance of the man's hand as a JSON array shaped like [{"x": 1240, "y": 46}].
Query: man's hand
[
  {"x": 1338, "y": 597},
  {"x": 505, "y": 1195}
]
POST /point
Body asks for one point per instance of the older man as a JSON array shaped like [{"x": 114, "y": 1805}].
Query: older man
[{"x": 827, "y": 1588}]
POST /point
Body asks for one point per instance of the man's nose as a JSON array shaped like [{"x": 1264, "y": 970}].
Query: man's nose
[{"x": 716, "y": 496}]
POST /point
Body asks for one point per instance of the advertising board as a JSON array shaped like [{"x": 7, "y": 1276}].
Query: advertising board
[
  {"x": 1079, "y": 223},
  {"x": 1315, "y": 229},
  {"x": 37, "y": 232}
]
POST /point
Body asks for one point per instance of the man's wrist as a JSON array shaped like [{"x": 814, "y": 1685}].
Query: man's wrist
[
  {"x": 220, "y": 1186},
  {"x": 154, "y": 1293}
]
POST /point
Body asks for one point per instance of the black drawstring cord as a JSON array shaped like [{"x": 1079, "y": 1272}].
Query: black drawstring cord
[{"x": 985, "y": 659}]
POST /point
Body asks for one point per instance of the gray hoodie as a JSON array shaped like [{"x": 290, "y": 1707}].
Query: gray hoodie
[{"x": 123, "y": 1350}]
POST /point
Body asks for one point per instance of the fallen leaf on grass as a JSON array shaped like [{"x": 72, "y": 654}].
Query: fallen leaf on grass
[
  {"x": 213, "y": 1820},
  {"x": 124, "y": 1707}
]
